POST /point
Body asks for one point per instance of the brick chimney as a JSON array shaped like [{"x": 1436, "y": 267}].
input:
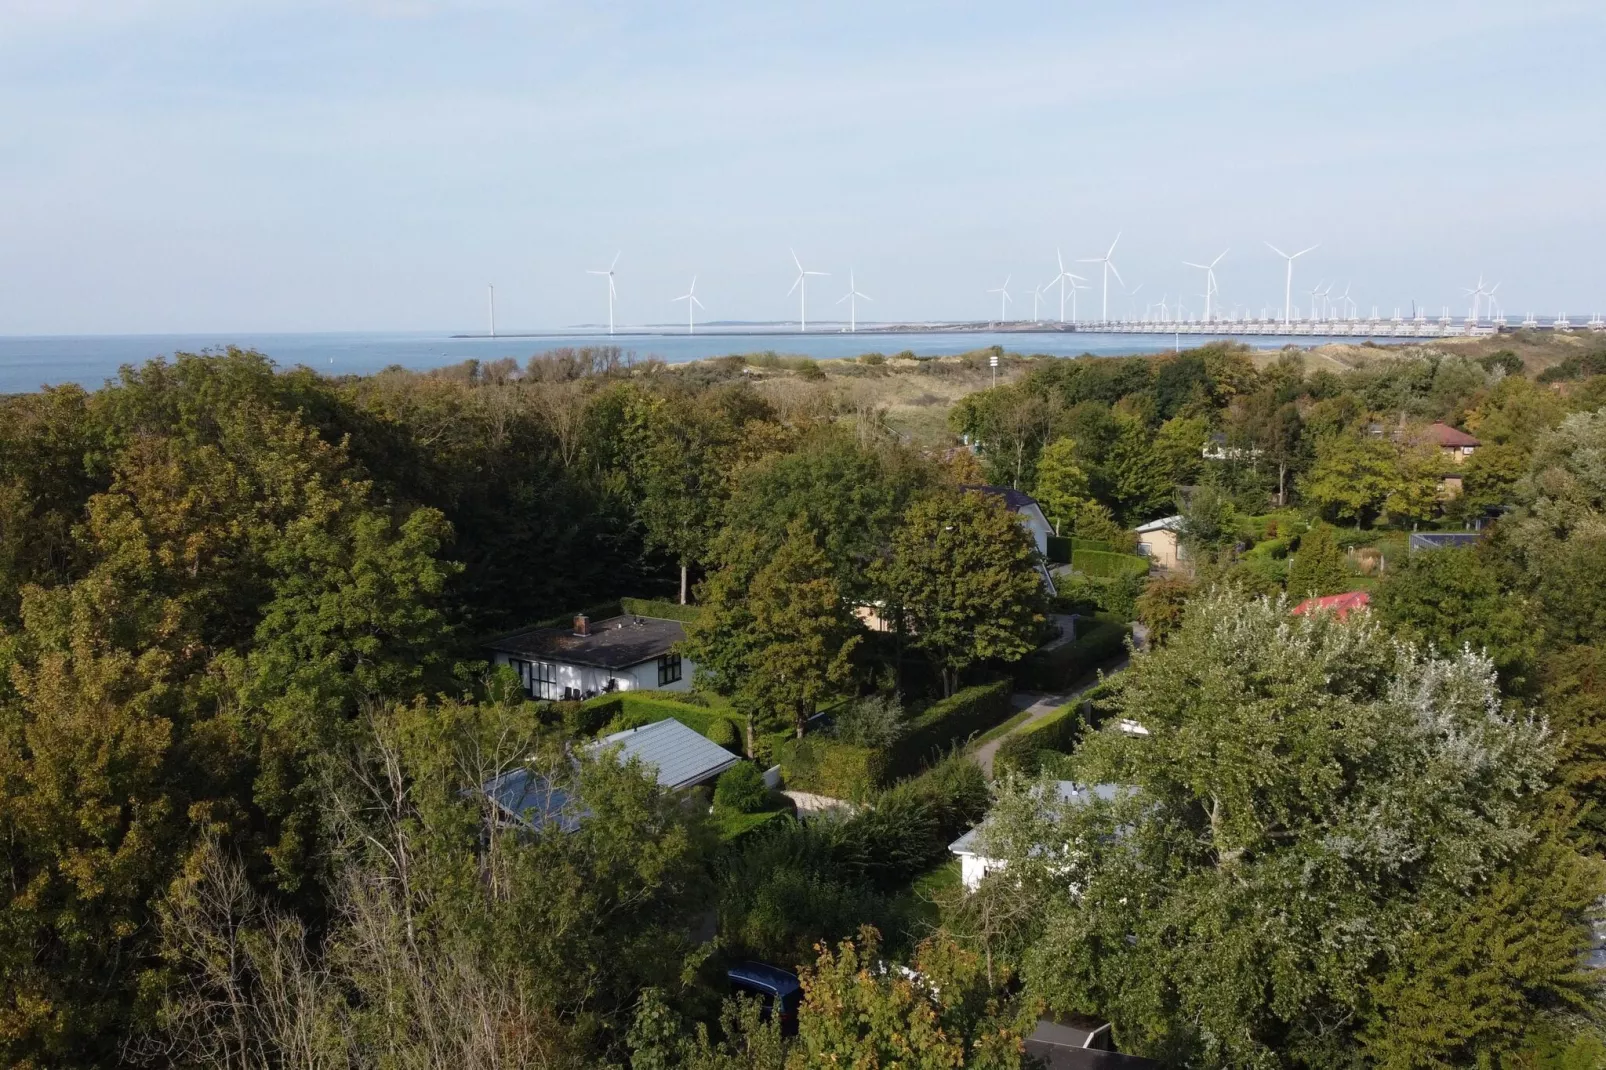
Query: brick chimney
[{"x": 582, "y": 624}]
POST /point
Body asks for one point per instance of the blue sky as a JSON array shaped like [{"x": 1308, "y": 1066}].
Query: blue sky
[{"x": 206, "y": 165}]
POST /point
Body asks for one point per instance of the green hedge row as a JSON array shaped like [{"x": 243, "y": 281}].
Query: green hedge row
[
  {"x": 1059, "y": 731},
  {"x": 1051, "y": 670},
  {"x": 1061, "y": 548},
  {"x": 632, "y": 709},
  {"x": 821, "y": 766},
  {"x": 651, "y": 607},
  {"x": 1103, "y": 563},
  {"x": 949, "y": 722}
]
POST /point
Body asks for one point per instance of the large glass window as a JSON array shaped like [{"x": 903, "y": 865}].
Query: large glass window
[
  {"x": 668, "y": 669},
  {"x": 544, "y": 680}
]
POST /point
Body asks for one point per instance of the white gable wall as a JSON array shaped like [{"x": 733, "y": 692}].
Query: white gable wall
[{"x": 549, "y": 679}]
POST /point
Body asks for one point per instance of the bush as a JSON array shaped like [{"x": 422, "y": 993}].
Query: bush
[
  {"x": 876, "y": 721},
  {"x": 586, "y": 718},
  {"x": 741, "y": 789},
  {"x": 948, "y": 722},
  {"x": 722, "y": 732},
  {"x": 1059, "y": 668},
  {"x": 651, "y": 607},
  {"x": 1106, "y": 565},
  {"x": 1059, "y": 732},
  {"x": 823, "y": 766},
  {"x": 632, "y": 709},
  {"x": 1059, "y": 550},
  {"x": 1092, "y": 544},
  {"x": 1087, "y": 595}
]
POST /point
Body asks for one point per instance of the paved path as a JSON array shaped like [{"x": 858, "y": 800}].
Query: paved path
[{"x": 1039, "y": 706}]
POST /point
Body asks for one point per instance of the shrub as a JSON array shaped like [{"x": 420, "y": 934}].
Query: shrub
[
  {"x": 722, "y": 732},
  {"x": 1092, "y": 544},
  {"x": 1106, "y": 565},
  {"x": 632, "y": 709},
  {"x": 950, "y": 721},
  {"x": 823, "y": 766},
  {"x": 876, "y": 721},
  {"x": 1087, "y": 595},
  {"x": 652, "y": 607},
  {"x": 741, "y": 789},
  {"x": 1059, "y": 668},
  {"x": 1059, "y": 549},
  {"x": 587, "y": 718},
  {"x": 872, "y": 358},
  {"x": 1059, "y": 732}
]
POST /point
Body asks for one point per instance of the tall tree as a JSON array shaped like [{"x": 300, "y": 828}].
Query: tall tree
[
  {"x": 967, "y": 580},
  {"x": 1307, "y": 803},
  {"x": 1062, "y": 485},
  {"x": 1351, "y": 477},
  {"x": 1318, "y": 567}
]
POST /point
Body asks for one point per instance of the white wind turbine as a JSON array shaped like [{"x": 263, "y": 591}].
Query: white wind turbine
[
  {"x": 611, "y": 293},
  {"x": 1132, "y": 294},
  {"x": 1288, "y": 282},
  {"x": 1109, "y": 266},
  {"x": 1210, "y": 279},
  {"x": 1003, "y": 300},
  {"x": 1037, "y": 295},
  {"x": 801, "y": 283},
  {"x": 852, "y": 297},
  {"x": 1315, "y": 296},
  {"x": 1347, "y": 308},
  {"x": 692, "y": 304},
  {"x": 1062, "y": 278}
]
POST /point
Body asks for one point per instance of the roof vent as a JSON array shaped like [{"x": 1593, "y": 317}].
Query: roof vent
[{"x": 582, "y": 624}]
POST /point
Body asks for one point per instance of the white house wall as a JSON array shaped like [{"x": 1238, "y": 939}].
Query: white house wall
[{"x": 587, "y": 679}]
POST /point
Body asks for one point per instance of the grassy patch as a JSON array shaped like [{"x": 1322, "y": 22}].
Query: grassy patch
[{"x": 729, "y": 824}]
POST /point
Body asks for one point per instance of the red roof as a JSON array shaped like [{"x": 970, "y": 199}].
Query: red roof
[
  {"x": 1448, "y": 437},
  {"x": 1341, "y": 604}
]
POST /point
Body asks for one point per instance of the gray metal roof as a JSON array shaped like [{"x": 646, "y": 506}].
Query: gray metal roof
[
  {"x": 615, "y": 643},
  {"x": 530, "y": 800},
  {"x": 681, "y": 756},
  {"x": 1443, "y": 540},
  {"x": 1068, "y": 792}
]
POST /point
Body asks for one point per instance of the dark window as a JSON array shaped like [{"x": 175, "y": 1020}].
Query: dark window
[
  {"x": 668, "y": 669},
  {"x": 543, "y": 680}
]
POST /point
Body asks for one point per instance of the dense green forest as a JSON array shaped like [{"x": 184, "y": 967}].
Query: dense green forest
[{"x": 245, "y": 709}]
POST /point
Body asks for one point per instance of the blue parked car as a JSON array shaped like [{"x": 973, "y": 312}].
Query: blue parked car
[{"x": 775, "y": 986}]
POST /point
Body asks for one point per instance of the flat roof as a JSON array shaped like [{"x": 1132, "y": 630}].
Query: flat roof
[
  {"x": 681, "y": 756},
  {"x": 615, "y": 643}
]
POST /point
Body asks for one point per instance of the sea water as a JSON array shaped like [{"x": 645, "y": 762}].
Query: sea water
[{"x": 27, "y": 363}]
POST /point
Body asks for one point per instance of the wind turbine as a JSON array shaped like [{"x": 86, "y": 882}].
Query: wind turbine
[
  {"x": 1210, "y": 278},
  {"x": 611, "y": 293},
  {"x": 1288, "y": 282},
  {"x": 801, "y": 283},
  {"x": 492, "y": 298},
  {"x": 1074, "y": 288},
  {"x": 1347, "y": 308},
  {"x": 1109, "y": 266},
  {"x": 1165, "y": 309},
  {"x": 1133, "y": 295},
  {"x": 1003, "y": 300},
  {"x": 852, "y": 298},
  {"x": 692, "y": 304},
  {"x": 1062, "y": 278},
  {"x": 1477, "y": 293},
  {"x": 1315, "y": 295},
  {"x": 1037, "y": 295}
]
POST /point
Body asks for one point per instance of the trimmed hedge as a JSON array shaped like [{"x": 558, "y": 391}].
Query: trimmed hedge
[
  {"x": 1059, "y": 731},
  {"x": 822, "y": 766},
  {"x": 1107, "y": 565},
  {"x": 599, "y": 611},
  {"x": 632, "y": 709},
  {"x": 949, "y": 722},
  {"x": 1051, "y": 670},
  {"x": 1059, "y": 550},
  {"x": 1093, "y": 544},
  {"x": 650, "y": 607}
]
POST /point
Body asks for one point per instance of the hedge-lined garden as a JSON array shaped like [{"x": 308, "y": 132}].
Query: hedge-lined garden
[
  {"x": 1108, "y": 565},
  {"x": 1102, "y": 641},
  {"x": 825, "y": 766}
]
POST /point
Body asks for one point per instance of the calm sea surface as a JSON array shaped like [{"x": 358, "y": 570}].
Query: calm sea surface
[{"x": 27, "y": 363}]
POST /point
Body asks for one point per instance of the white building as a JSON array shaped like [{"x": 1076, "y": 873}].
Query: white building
[
  {"x": 973, "y": 865},
  {"x": 624, "y": 653}
]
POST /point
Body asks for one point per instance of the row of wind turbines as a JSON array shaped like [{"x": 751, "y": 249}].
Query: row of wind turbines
[{"x": 1069, "y": 284}]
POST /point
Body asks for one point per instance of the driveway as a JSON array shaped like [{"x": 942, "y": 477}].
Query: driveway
[{"x": 1038, "y": 706}]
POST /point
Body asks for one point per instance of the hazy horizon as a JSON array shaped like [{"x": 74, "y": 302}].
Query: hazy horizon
[{"x": 173, "y": 166}]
